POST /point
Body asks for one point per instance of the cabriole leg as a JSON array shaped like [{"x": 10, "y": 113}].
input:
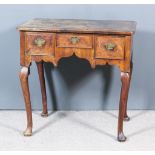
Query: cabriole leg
[
  {"x": 123, "y": 101},
  {"x": 43, "y": 88},
  {"x": 126, "y": 117},
  {"x": 25, "y": 89}
]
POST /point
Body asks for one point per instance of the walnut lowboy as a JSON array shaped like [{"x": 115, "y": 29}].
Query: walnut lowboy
[{"x": 99, "y": 42}]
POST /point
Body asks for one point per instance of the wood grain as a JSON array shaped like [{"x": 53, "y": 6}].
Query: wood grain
[
  {"x": 32, "y": 49},
  {"x": 64, "y": 40},
  {"x": 89, "y": 40},
  {"x": 123, "y": 101},
  {"x": 22, "y": 48},
  {"x": 26, "y": 93},
  {"x": 126, "y": 117},
  {"x": 80, "y": 26},
  {"x": 43, "y": 88},
  {"x": 102, "y": 52}
]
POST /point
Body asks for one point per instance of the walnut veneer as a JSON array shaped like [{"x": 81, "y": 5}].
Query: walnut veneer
[{"x": 100, "y": 42}]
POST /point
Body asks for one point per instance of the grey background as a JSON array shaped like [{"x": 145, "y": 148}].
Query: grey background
[{"x": 76, "y": 85}]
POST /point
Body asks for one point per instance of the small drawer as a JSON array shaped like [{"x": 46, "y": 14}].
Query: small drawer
[
  {"x": 39, "y": 43},
  {"x": 109, "y": 47},
  {"x": 74, "y": 40}
]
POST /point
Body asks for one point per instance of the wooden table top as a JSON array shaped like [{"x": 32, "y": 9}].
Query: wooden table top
[{"x": 79, "y": 26}]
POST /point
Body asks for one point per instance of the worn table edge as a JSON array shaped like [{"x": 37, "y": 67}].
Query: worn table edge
[{"x": 31, "y": 29}]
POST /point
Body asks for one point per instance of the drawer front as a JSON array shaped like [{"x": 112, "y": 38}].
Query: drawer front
[
  {"x": 109, "y": 47},
  {"x": 39, "y": 43},
  {"x": 74, "y": 40}
]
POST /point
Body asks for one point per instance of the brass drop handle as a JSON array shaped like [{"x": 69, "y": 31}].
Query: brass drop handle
[
  {"x": 110, "y": 46},
  {"x": 39, "y": 42},
  {"x": 74, "y": 40}
]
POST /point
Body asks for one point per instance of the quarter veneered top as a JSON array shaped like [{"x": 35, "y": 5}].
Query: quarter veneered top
[{"x": 79, "y": 26}]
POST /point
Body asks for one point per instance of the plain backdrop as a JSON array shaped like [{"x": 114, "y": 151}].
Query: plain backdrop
[{"x": 74, "y": 85}]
